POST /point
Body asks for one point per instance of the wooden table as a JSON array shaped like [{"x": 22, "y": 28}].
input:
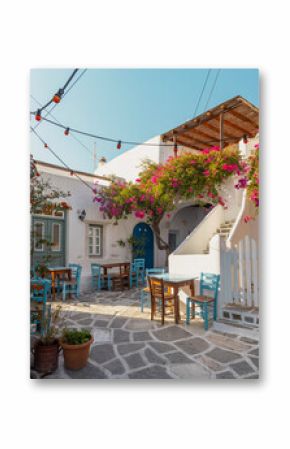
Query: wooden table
[
  {"x": 57, "y": 272},
  {"x": 122, "y": 265},
  {"x": 176, "y": 281}
]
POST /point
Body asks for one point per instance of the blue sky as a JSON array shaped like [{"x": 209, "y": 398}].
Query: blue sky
[{"x": 126, "y": 104}]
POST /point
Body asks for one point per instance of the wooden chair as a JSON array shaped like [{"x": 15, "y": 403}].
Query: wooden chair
[
  {"x": 121, "y": 279},
  {"x": 100, "y": 280},
  {"x": 158, "y": 293},
  {"x": 208, "y": 283},
  {"x": 145, "y": 292}
]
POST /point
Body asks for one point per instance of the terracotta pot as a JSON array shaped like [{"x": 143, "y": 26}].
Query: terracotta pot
[
  {"x": 76, "y": 356},
  {"x": 46, "y": 357}
]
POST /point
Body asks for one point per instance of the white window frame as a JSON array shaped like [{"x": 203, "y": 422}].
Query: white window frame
[
  {"x": 56, "y": 249},
  {"x": 42, "y": 236},
  {"x": 95, "y": 236}
]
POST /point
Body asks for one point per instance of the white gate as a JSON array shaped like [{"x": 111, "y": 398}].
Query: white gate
[{"x": 239, "y": 275}]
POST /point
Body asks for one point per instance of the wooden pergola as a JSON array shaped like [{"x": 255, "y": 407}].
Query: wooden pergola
[{"x": 225, "y": 124}]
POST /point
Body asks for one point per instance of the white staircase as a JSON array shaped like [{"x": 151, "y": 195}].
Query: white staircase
[{"x": 224, "y": 231}]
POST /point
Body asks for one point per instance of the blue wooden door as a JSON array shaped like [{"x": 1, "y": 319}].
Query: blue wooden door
[{"x": 143, "y": 246}]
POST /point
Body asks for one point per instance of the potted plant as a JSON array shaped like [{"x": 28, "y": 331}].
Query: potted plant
[
  {"x": 47, "y": 347},
  {"x": 76, "y": 347}
]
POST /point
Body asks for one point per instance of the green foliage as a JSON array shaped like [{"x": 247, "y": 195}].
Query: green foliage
[
  {"x": 75, "y": 337},
  {"x": 160, "y": 187},
  {"x": 253, "y": 177}
]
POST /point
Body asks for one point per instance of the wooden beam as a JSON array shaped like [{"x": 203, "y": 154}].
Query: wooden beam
[
  {"x": 209, "y": 115},
  {"x": 189, "y": 143},
  {"x": 221, "y": 131},
  {"x": 237, "y": 127},
  {"x": 200, "y": 133},
  {"x": 217, "y": 131},
  {"x": 243, "y": 118}
]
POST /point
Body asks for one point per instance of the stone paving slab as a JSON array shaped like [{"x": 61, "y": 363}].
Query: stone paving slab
[
  {"x": 127, "y": 344},
  {"x": 152, "y": 372},
  {"x": 193, "y": 346},
  {"x": 222, "y": 355}
]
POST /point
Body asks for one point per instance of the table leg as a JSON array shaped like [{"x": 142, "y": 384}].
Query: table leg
[
  {"x": 192, "y": 292},
  {"x": 53, "y": 285},
  {"x": 69, "y": 277},
  {"x": 176, "y": 305}
]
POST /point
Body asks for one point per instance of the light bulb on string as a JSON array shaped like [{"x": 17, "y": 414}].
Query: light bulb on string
[
  {"x": 66, "y": 132},
  {"x": 58, "y": 95},
  {"x": 245, "y": 138},
  {"x": 71, "y": 173},
  {"x": 45, "y": 145},
  {"x": 119, "y": 145},
  {"x": 38, "y": 115}
]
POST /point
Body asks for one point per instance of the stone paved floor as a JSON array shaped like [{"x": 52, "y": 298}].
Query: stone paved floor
[{"x": 128, "y": 345}]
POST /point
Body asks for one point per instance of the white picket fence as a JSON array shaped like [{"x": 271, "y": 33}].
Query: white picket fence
[{"x": 239, "y": 274}]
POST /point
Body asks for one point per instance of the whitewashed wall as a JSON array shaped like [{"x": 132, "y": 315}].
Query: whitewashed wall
[{"x": 127, "y": 165}]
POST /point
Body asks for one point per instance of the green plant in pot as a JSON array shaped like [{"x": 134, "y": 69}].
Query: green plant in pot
[
  {"x": 76, "y": 347},
  {"x": 46, "y": 349}
]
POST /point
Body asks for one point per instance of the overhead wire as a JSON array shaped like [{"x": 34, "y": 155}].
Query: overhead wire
[
  {"x": 202, "y": 91},
  {"x": 65, "y": 93},
  {"x": 73, "y": 136},
  {"x": 109, "y": 139},
  {"x": 212, "y": 89},
  {"x": 61, "y": 160},
  {"x": 62, "y": 89}
]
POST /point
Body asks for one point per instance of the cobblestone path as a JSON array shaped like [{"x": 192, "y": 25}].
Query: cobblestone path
[{"x": 128, "y": 345}]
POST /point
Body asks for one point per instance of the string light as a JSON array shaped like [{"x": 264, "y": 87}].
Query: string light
[
  {"x": 45, "y": 145},
  {"x": 66, "y": 132},
  {"x": 245, "y": 138},
  {"x": 57, "y": 97},
  {"x": 119, "y": 142},
  {"x": 72, "y": 173},
  {"x": 38, "y": 115}
]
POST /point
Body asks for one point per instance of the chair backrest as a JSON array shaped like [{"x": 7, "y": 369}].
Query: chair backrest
[
  {"x": 156, "y": 287},
  {"x": 139, "y": 263},
  {"x": 150, "y": 271},
  {"x": 209, "y": 282},
  {"x": 76, "y": 270},
  {"x": 39, "y": 289},
  {"x": 96, "y": 269}
]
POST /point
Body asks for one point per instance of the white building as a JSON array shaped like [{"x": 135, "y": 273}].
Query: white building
[{"x": 197, "y": 238}]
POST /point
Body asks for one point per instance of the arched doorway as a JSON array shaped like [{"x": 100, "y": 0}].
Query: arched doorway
[
  {"x": 184, "y": 222},
  {"x": 143, "y": 244}
]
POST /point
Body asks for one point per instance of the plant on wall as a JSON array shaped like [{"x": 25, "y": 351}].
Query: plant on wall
[
  {"x": 160, "y": 187},
  {"x": 250, "y": 180}
]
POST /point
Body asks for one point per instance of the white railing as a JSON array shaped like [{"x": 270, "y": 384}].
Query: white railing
[
  {"x": 197, "y": 241},
  {"x": 239, "y": 274}
]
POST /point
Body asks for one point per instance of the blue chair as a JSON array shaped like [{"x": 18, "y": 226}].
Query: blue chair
[
  {"x": 39, "y": 289},
  {"x": 145, "y": 292},
  {"x": 139, "y": 267},
  {"x": 98, "y": 279},
  {"x": 208, "y": 283},
  {"x": 72, "y": 285},
  {"x": 134, "y": 275}
]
